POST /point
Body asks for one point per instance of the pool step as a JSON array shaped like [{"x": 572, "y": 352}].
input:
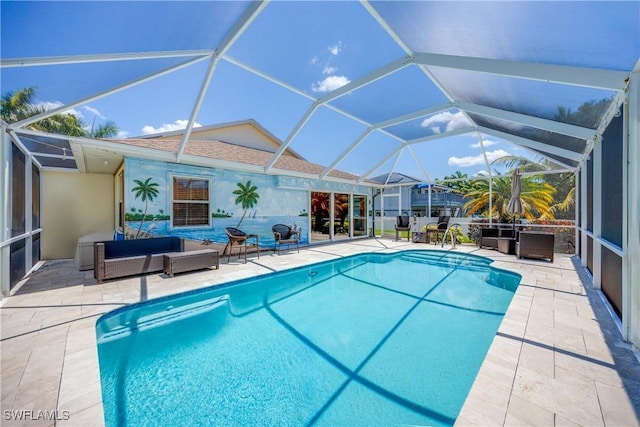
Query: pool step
[{"x": 125, "y": 322}]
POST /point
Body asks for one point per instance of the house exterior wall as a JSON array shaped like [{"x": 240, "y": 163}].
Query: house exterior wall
[
  {"x": 396, "y": 201},
  {"x": 282, "y": 199},
  {"x": 411, "y": 202},
  {"x": 74, "y": 205}
]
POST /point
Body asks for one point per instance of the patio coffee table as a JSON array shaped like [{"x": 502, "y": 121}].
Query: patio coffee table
[{"x": 180, "y": 262}]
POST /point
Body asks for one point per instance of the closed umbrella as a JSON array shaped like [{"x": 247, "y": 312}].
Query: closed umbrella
[{"x": 515, "y": 206}]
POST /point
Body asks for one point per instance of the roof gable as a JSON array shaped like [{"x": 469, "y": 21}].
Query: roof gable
[{"x": 246, "y": 133}]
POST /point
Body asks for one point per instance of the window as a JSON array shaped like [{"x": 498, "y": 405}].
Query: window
[{"x": 190, "y": 202}]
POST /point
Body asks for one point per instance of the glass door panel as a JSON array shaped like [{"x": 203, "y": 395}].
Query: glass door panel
[
  {"x": 359, "y": 215},
  {"x": 320, "y": 218},
  {"x": 340, "y": 216}
]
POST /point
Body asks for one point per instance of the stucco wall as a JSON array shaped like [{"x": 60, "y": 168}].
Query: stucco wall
[{"x": 74, "y": 205}]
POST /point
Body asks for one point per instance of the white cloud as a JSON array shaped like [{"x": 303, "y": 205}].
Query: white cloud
[
  {"x": 122, "y": 134},
  {"x": 314, "y": 60},
  {"x": 95, "y": 112},
  {"x": 476, "y": 160},
  {"x": 330, "y": 83},
  {"x": 445, "y": 122},
  {"x": 329, "y": 70},
  {"x": 486, "y": 142},
  {"x": 51, "y": 105},
  {"x": 335, "y": 49},
  {"x": 168, "y": 127}
]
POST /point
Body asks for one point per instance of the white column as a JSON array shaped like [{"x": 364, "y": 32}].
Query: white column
[
  {"x": 5, "y": 208},
  {"x": 429, "y": 211},
  {"x": 596, "y": 157},
  {"x": 578, "y": 202},
  {"x": 631, "y": 232},
  {"x": 28, "y": 209},
  {"x": 583, "y": 214}
]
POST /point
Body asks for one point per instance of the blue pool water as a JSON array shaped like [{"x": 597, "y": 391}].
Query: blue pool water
[{"x": 372, "y": 339}]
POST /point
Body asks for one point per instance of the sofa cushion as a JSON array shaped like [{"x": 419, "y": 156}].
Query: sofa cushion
[{"x": 128, "y": 248}]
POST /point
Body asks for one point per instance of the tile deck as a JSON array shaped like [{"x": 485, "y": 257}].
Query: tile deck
[{"x": 557, "y": 359}]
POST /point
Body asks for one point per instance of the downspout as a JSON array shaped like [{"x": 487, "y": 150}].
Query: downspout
[{"x": 373, "y": 219}]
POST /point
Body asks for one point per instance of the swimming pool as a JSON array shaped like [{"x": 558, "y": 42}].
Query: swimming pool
[{"x": 371, "y": 339}]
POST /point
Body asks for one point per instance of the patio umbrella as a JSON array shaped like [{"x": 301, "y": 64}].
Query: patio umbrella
[{"x": 515, "y": 207}]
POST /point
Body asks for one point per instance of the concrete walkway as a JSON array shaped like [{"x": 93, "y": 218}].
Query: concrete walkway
[{"x": 557, "y": 359}]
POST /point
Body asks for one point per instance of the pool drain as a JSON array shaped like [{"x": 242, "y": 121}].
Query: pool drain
[{"x": 244, "y": 391}]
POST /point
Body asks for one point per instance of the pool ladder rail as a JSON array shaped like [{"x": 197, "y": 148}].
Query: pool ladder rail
[{"x": 453, "y": 230}]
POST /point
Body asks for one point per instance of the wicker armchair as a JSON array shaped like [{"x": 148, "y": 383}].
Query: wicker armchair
[
  {"x": 285, "y": 235},
  {"x": 402, "y": 224},
  {"x": 438, "y": 228},
  {"x": 243, "y": 241}
]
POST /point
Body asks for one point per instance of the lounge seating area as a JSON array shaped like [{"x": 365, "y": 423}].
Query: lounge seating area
[
  {"x": 121, "y": 258},
  {"x": 523, "y": 244}
]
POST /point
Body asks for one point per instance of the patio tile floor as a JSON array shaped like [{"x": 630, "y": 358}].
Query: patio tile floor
[{"x": 557, "y": 359}]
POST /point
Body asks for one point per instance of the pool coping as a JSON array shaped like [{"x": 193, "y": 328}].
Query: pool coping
[{"x": 557, "y": 358}]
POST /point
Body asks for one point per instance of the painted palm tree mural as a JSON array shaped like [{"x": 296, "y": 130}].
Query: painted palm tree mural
[
  {"x": 147, "y": 191},
  {"x": 247, "y": 196}
]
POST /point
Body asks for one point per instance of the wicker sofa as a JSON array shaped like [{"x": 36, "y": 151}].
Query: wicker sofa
[{"x": 120, "y": 258}]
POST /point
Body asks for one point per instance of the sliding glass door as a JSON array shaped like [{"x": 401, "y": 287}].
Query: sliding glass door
[{"x": 337, "y": 216}]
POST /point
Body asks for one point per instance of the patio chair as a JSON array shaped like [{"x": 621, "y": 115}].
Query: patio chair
[
  {"x": 439, "y": 228},
  {"x": 242, "y": 240},
  {"x": 285, "y": 235},
  {"x": 402, "y": 224}
]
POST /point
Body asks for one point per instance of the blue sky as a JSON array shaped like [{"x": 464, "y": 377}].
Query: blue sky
[{"x": 315, "y": 47}]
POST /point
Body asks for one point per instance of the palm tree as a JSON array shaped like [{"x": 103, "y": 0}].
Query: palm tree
[
  {"x": 564, "y": 183},
  {"x": 247, "y": 196},
  {"x": 19, "y": 105},
  {"x": 105, "y": 130},
  {"x": 537, "y": 197},
  {"x": 147, "y": 191},
  {"x": 63, "y": 124},
  {"x": 463, "y": 185}
]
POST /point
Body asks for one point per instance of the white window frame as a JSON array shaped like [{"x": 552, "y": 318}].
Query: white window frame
[{"x": 207, "y": 202}]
